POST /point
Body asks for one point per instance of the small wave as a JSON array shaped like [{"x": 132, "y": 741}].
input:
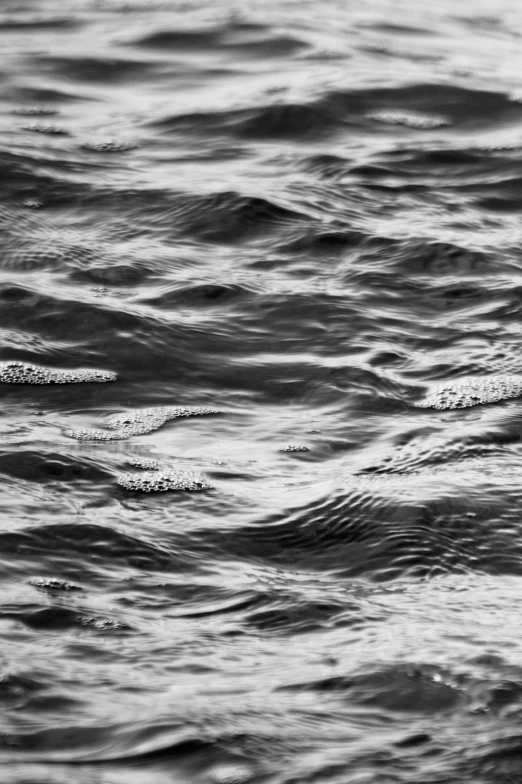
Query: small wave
[
  {"x": 436, "y": 455},
  {"x": 93, "y": 69},
  {"x": 395, "y": 28},
  {"x": 404, "y": 689},
  {"x": 457, "y": 104},
  {"x": 286, "y": 120},
  {"x": 35, "y": 23},
  {"x": 441, "y": 258},
  {"x": 59, "y": 618},
  {"x": 196, "y": 295},
  {"x": 62, "y": 547},
  {"x": 228, "y": 217},
  {"x": 303, "y": 617},
  {"x": 49, "y": 467},
  {"x": 420, "y": 106},
  {"x": 222, "y": 217},
  {"x": 331, "y": 241},
  {"x": 436, "y": 159},
  {"x": 253, "y": 40},
  {"x": 382, "y": 528},
  {"x": 23, "y": 178}
]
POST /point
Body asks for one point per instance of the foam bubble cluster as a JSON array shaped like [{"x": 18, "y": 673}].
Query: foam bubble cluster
[
  {"x": 108, "y": 146},
  {"x": 231, "y": 774},
  {"x": 53, "y": 584},
  {"x": 137, "y": 423},
  {"x": 22, "y": 373},
  {"x": 295, "y": 448},
  {"x": 160, "y": 481},
  {"x": 37, "y": 111},
  {"x": 51, "y": 130},
  {"x": 410, "y": 119},
  {"x": 147, "y": 463},
  {"x": 473, "y": 392}
]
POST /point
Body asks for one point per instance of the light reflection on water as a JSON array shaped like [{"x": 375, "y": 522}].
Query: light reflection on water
[{"x": 306, "y": 216}]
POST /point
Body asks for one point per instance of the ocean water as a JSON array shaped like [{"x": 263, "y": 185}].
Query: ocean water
[{"x": 244, "y": 537}]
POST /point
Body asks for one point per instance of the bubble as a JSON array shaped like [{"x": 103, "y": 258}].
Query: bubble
[
  {"x": 231, "y": 774},
  {"x": 322, "y": 54},
  {"x": 410, "y": 119},
  {"x": 295, "y": 448},
  {"x": 22, "y": 373},
  {"x": 51, "y": 130},
  {"x": 137, "y": 423},
  {"x": 108, "y": 146},
  {"x": 147, "y": 463},
  {"x": 54, "y": 584},
  {"x": 473, "y": 392},
  {"x": 102, "y": 624},
  {"x": 160, "y": 481},
  {"x": 36, "y": 111}
]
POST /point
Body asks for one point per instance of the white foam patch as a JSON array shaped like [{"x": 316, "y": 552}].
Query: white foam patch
[
  {"x": 36, "y": 111},
  {"x": 410, "y": 119},
  {"x": 160, "y": 481},
  {"x": 51, "y": 130},
  {"x": 231, "y": 774},
  {"x": 147, "y": 463},
  {"x": 108, "y": 146},
  {"x": 473, "y": 392},
  {"x": 137, "y": 423},
  {"x": 22, "y": 373}
]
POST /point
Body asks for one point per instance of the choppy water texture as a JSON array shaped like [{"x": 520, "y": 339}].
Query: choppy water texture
[{"x": 301, "y": 219}]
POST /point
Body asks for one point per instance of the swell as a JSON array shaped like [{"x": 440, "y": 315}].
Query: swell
[
  {"x": 62, "y": 547},
  {"x": 422, "y": 525},
  {"x": 236, "y": 38},
  {"x": 420, "y": 106}
]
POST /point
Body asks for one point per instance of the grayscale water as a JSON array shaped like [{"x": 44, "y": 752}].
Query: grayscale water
[{"x": 298, "y": 219}]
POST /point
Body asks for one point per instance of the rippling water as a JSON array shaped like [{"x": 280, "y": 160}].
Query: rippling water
[{"x": 299, "y": 219}]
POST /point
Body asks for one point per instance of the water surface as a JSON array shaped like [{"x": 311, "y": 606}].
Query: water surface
[{"x": 303, "y": 217}]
